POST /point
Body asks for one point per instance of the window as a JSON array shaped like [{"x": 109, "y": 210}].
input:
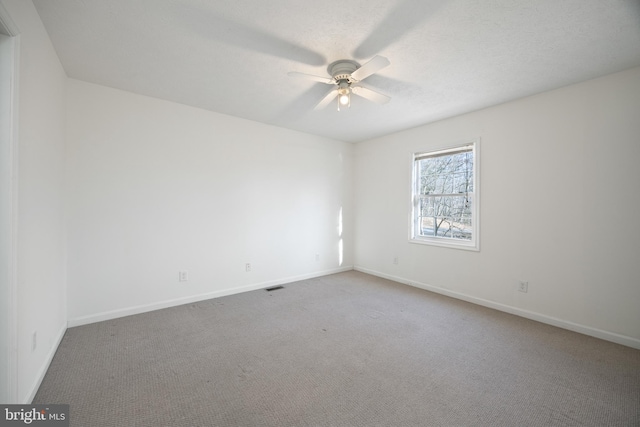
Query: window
[{"x": 445, "y": 197}]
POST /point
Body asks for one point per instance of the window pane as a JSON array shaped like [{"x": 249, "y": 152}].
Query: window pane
[
  {"x": 448, "y": 174},
  {"x": 446, "y": 217}
]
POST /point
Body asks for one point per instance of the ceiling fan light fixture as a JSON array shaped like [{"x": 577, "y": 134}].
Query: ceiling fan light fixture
[
  {"x": 344, "y": 95},
  {"x": 345, "y": 99}
]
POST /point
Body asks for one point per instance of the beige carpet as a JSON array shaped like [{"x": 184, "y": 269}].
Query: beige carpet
[{"x": 342, "y": 350}]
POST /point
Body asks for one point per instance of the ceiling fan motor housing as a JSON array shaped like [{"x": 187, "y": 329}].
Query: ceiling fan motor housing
[{"x": 342, "y": 69}]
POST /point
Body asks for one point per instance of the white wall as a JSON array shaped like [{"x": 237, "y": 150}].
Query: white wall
[
  {"x": 41, "y": 246},
  {"x": 7, "y": 217},
  {"x": 157, "y": 187},
  {"x": 560, "y": 207}
]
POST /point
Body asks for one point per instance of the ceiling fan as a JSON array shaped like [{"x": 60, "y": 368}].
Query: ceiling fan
[{"x": 347, "y": 75}]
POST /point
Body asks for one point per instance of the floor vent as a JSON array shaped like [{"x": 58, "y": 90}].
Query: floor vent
[{"x": 274, "y": 288}]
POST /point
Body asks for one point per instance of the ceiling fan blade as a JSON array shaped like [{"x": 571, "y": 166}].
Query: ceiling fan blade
[
  {"x": 326, "y": 80},
  {"x": 370, "y": 94},
  {"x": 327, "y": 99},
  {"x": 376, "y": 64}
]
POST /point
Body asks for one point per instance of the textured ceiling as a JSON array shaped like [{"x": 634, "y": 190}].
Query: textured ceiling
[{"x": 447, "y": 57}]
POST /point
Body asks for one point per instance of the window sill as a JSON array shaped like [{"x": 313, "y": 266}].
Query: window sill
[{"x": 466, "y": 246}]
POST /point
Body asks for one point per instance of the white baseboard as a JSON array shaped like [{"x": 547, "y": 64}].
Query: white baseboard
[
  {"x": 565, "y": 324},
  {"x": 45, "y": 367},
  {"x": 114, "y": 314}
]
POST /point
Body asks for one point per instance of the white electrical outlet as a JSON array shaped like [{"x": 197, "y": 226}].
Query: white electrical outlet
[
  {"x": 523, "y": 286},
  {"x": 317, "y": 257},
  {"x": 183, "y": 276},
  {"x": 247, "y": 267},
  {"x": 395, "y": 260},
  {"x": 34, "y": 340}
]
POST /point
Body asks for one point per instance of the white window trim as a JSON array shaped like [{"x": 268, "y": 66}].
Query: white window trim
[{"x": 474, "y": 243}]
